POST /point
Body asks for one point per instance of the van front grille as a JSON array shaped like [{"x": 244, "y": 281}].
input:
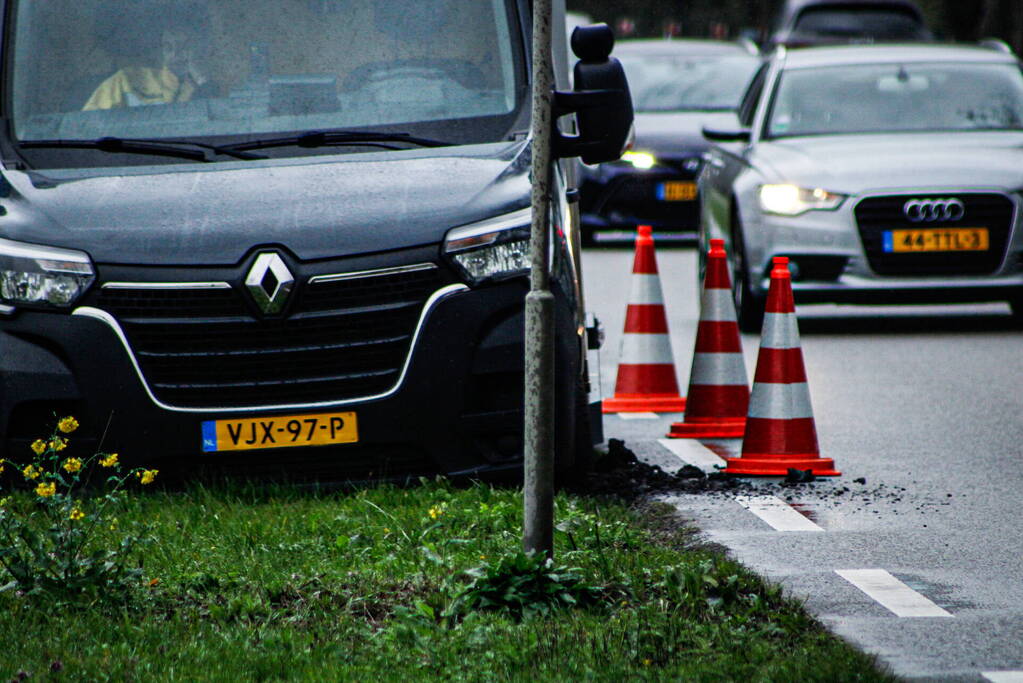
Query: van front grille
[{"x": 347, "y": 338}]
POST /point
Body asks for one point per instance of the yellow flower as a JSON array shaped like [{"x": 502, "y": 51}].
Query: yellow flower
[
  {"x": 58, "y": 443},
  {"x": 38, "y": 446},
  {"x": 109, "y": 461},
  {"x": 76, "y": 515},
  {"x": 147, "y": 476},
  {"x": 72, "y": 465},
  {"x": 46, "y": 490},
  {"x": 647, "y": 662},
  {"x": 31, "y": 472},
  {"x": 67, "y": 424},
  {"x": 113, "y": 524}
]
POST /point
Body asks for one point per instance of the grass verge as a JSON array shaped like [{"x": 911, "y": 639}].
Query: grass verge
[{"x": 387, "y": 583}]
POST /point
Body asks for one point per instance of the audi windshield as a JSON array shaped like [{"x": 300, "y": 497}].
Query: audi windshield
[
  {"x": 231, "y": 71},
  {"x": 892, "y": 98}
]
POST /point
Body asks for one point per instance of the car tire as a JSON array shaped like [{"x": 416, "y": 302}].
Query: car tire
[{"x": 749, "y": 308}]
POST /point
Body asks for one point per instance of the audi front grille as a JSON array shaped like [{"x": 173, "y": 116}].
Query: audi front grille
[
  {"x": 347, "y": 337},
  {"x": 876, "y": 215}
]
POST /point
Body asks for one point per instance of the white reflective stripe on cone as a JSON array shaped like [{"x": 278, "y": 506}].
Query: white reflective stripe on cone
[
  {"x": 643, "y": 349},
  {"x": 716, "y": 305},
  {"x": 781, "y": 331},
  {"x": 718, "y": 369},
  {"x": 646, "y": 289},
  {"x": 772, "y": 401}
]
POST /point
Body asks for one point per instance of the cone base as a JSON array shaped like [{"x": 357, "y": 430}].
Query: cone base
[
  {"x": 644, "y": 404},
  {"x": 721, "y": 428},
  {"x": 766, "y": 465}
]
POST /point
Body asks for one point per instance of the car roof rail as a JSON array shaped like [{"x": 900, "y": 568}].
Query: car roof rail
[
  {"x": 995, "y": 44},
  {"x": 749, "y": 46}
]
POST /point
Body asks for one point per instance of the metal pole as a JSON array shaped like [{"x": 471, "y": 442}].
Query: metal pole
[{"x": 538, "y": 491}]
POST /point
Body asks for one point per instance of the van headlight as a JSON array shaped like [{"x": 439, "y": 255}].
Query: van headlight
[
  {"x": 494, "y": 249},
  {"x": 792, "y": 200},
  {"x": 33, "y": 275}
]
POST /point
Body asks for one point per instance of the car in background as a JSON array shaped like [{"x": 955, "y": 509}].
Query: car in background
[
  {"x": 886, "y": 174},
  {"x": 677, "y": 86},
  {"x": 801, "y": 23}
]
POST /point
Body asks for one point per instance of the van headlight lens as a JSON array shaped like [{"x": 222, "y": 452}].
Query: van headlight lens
[
  {"x": 35, "y": 275},
  {"x": 494, "y": 249},
  {"x": 792, "y": 200}
]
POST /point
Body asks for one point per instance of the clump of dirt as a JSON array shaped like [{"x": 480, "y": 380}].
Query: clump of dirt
[{"x": 620, "y": 473}]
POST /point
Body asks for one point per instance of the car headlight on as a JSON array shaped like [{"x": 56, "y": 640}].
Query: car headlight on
[
  {"x": 35, "y": 275},
  {"x": 792, "y": 200},
  {"x": 640, "y": 160},
  {"x": 494, "y": 249}
]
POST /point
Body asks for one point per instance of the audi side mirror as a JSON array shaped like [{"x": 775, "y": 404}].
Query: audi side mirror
[
  {"x": 722, "y": 135},
  {"x": 600, "y": 101}
]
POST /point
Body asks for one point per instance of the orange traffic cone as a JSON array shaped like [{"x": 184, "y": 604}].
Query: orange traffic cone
[
  {"x": 718, "y": 395},
  {"x": 646, "y": 368},
  {"x": 780, "y": 433}
]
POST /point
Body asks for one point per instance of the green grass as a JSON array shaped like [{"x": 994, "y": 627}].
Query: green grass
[{"x": 280, "y": 583}]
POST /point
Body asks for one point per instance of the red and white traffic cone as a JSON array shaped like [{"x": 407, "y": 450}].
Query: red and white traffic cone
[
  {"x": 646, "y": 368},
  {"x": 780, "y": 432},
  {"x": 718, "y": 395}
]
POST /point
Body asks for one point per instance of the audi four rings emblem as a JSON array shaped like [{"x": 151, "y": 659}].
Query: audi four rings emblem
[{"x": 932, "y": 210}]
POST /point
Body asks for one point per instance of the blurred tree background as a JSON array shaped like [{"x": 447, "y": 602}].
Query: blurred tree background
[{"x": 958, "y": 20}]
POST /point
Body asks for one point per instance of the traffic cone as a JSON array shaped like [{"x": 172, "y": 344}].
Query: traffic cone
[
  {"x": 718, "y": 395},
  {"x": 646, "y": 368},
  {"x": 780, "y": 433}
]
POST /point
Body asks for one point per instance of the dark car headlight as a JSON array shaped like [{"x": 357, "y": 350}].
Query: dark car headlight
[
  {"x": 35, "y": 275},
  {"x": 639, "y": 160},
  {"x": 493, "y": 249}
]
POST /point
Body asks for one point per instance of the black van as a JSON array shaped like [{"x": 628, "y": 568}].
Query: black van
[{"x": 277, "y": 235}]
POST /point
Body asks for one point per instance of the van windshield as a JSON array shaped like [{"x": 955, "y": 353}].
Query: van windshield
[{"x": 236, "y": 70}]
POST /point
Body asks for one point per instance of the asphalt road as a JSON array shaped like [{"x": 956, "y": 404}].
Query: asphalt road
[{"x": 921, "y": 409}]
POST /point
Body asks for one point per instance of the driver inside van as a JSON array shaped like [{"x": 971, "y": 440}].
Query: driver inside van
[{"x": 179, "y": 78}]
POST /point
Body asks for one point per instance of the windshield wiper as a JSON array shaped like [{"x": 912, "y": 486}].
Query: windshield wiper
[
  {"x": 182, "y": 149},
  {"x": 329, "y": 138}
]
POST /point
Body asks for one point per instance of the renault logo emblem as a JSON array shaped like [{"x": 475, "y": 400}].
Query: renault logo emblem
[{"x": 270, "y": 282}]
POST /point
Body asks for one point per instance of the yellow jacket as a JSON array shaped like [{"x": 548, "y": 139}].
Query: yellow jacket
[{"x": 147, "y": 85}]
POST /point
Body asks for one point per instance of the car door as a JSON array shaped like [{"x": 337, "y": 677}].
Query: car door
[{"x": 725, "y": 161}]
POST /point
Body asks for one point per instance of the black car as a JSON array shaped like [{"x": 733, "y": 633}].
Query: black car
[
  {"x": 313, "y": 261},
  {"x": 800, "y": 23},
  {"x": 678, "y": 87}
]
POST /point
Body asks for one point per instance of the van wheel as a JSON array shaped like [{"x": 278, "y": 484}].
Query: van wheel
[
  {"x": 576, "y": 456},
  {"x": 1016, "y": 304}
]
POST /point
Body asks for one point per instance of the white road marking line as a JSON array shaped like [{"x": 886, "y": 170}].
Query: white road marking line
[
  {"x": 637, "y": 416},
  {"x": 776, "y": 512},
  {"x": 892, "y": 593},
  {"x": 1003, "y": 676},
  {"x": 692, "y": 452}
]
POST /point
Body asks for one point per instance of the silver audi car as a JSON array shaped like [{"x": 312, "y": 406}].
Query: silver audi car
[{"x": 887, "y": 174}]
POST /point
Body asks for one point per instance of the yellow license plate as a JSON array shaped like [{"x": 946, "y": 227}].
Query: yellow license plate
[
  {"x": 279, "y": 431},
  {"x": 676, "y": 191},
  {"x": 936, "y": 239}
]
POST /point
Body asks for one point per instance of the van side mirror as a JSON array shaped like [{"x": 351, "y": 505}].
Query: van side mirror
[{"x": 601, "y": 100}]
